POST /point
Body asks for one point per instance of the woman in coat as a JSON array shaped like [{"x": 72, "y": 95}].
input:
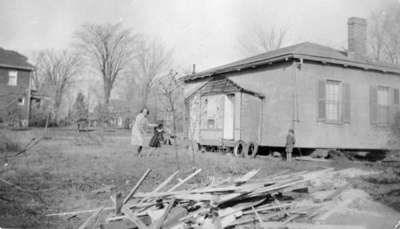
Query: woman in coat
[{"x": 138, "y": 129}]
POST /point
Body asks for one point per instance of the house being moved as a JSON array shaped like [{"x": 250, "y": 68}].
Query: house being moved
[
  {"x": 15, "y": 88},
  {"x": 331, "y": 98}
]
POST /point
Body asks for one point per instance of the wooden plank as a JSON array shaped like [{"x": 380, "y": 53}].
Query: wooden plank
[
  {"x": 270, "y": 207},
  {"x": 160, "y": 222},
  {"x": 80, "y": 212},
  {"x": 166, "y": 181},
  {"x": 118, "y": 203},
  {"x": 278, "y": 225},
  {"x": 129, "y": 215},
  {"x": 307, "y": 158},
  {"x": 135, "y": 188},
  {"x": 91, "y": 220},
  {"x": 246, "y": 177},
  {"x": 197, "y": 197},
  {"x": 257, "y": 215},
  {"x": 184, "y": 180}
]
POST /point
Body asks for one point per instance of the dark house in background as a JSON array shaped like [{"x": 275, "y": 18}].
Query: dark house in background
[
  {"x": 333, "y": 99},
  {"x": 15, "y": 88}
]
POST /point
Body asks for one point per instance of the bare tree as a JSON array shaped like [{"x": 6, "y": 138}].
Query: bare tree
[
  {"x": 152, "y": 60},
  {"x": 259, "y": 39},
  {"x": 171, "y": 90},
  {"x": 55, "y": 75},
  {"x": 109, "y": 49},
  {"x": 384, "y": 34}
]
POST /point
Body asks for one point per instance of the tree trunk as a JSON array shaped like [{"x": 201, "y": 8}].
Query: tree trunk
[
  {"x": 145, "y": 97},
  {"x": 174, "y": 122},
  {"x": 107, "y": 94}
]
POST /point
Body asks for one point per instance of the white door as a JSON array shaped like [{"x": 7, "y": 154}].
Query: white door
[{"x": 228, "y": 116}]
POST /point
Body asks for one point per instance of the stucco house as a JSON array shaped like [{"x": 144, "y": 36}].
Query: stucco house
[
  {"x": 15, "y": 88},
  {"x": 333, "y": 99}
]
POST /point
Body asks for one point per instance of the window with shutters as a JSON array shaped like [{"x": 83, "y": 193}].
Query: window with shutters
[
  {"x": 384, "y": 103},
  {"x": 333, "y": 101}
]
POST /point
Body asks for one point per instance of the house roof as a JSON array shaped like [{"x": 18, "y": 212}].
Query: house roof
[
  {"x": 12, "y": 59},
  {"x": 305, "y": 51},
  {"x": 224, "y": 85}
]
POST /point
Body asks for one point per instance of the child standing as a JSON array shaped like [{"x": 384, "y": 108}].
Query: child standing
[
  {"x": 290, "y": 141},
  {"x": 157, "y": 138}
]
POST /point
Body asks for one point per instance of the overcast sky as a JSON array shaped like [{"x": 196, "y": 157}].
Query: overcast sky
[{"x": 204, "y": 32}]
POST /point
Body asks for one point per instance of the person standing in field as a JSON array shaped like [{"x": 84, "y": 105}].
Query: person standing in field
[
  {"x": 138, "y": 129},
  {"x": 157, "y": 138},
  {"x": 290, "y": 141}
]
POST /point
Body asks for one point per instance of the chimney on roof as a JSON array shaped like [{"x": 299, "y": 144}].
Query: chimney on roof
[
  {"x": 194, "y": 69},
  {"x": 357, "y": 37}
]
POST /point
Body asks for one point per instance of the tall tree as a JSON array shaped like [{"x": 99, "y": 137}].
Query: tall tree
[
  {"x": 109, "y": 49},
  {"x": 55, "y": 75},
  {"x": 80, "y": 107},
  {"x": 171, "y": 90},
  {"x": 152, "y": 60},
  {"x": 384, "y": 34}
]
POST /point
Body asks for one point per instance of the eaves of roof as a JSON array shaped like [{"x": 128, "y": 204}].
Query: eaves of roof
[{"x": 304, "y": 51}]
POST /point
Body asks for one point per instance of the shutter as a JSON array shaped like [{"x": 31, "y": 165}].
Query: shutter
[
  {"x": 395, "y": 96},
  {"x": 346, "y": 103},
  {"x": 321, "y": 100},
  {"x": 373, "y": 104},
  {"x": 394, "y": 104}
]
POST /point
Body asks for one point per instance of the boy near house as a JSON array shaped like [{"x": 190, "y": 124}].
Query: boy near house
[{"x": 290, "y": 141}]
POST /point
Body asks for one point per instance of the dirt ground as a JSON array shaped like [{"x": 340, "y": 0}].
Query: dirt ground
[{"x": 61, "y": 173}]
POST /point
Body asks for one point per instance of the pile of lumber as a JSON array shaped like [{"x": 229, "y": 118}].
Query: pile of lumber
[{"x": 277, "y": 201}]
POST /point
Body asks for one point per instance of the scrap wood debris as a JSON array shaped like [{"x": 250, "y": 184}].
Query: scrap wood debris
[{"x": 276, "y": 201}]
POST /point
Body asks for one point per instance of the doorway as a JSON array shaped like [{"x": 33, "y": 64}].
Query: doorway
[{"x": 229, "y": 116}]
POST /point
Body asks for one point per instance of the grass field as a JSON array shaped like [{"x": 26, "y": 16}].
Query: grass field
[{"x": 59, "y": 174}]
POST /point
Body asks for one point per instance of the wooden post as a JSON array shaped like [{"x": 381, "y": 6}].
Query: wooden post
[
  {"x": 184, "y": 180},
  {"x": 118, "y": 203},
  {"x": 134, "y": 189}
]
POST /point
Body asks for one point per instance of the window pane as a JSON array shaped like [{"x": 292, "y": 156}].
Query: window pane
[
  {"x": 383, "y": 105},
  {"x": 383, "y": 96},
  {"x": 333, "y": 100},
  {"x": 332, "y": 91}
]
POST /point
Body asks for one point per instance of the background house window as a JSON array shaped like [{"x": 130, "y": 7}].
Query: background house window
[
  {"x": 333, "y": 101},
  {"x": 12, "y": 78}
]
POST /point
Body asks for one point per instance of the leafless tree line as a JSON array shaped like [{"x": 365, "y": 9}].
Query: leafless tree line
[
  {"x": 384, "y": 34},
  {"x": 110, "y": 52}
]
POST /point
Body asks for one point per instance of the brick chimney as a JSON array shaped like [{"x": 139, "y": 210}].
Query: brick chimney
[{"x": 357, "y": 37}]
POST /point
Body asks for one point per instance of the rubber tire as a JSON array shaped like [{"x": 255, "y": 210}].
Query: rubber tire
[
  {"x": 251, "y": 153},
  {"x": 239, "y": 148}
]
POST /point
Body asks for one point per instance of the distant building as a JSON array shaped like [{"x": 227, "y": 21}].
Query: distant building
[
  {"x": 331, "y": 98},
  {"x": 119, "y": 114},
  {"x": 15, "y": 88}
]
